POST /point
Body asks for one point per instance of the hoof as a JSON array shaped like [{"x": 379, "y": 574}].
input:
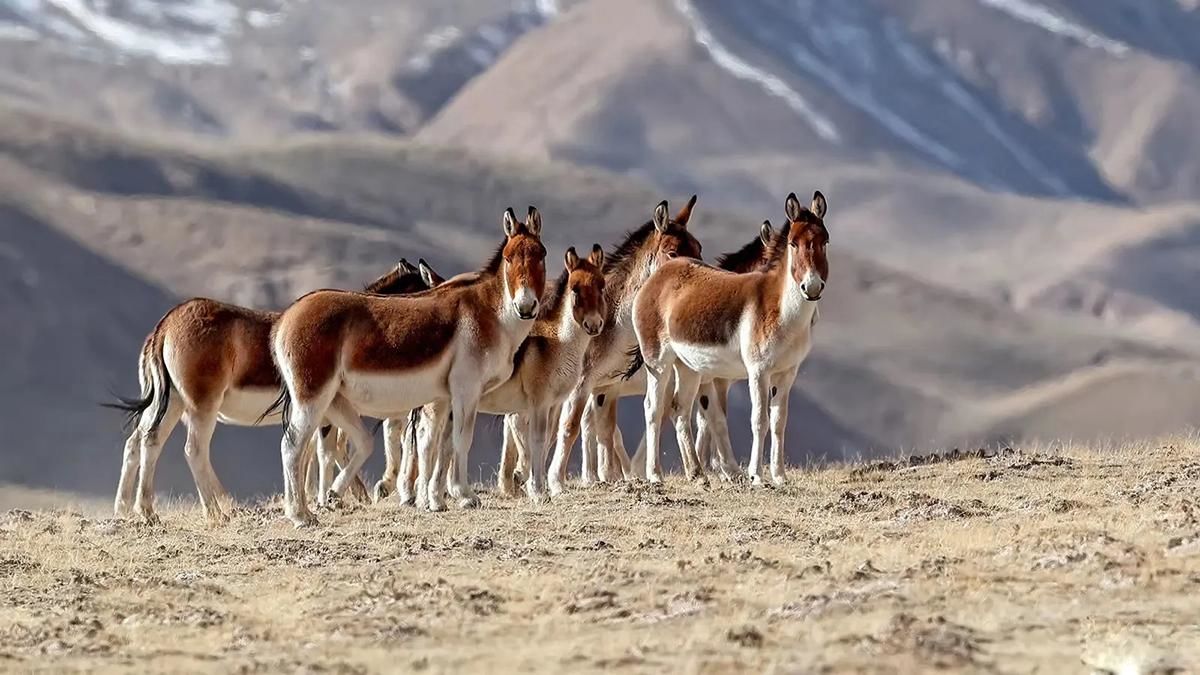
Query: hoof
[
  {"x": 779, "y": 480},
  {"x": 303, "y": 519},
  {"x": 217, "y": 517},
  {"x": 406, "y": 499},
  {"x": 538, "y": 498},
  {"x": 757, "y": 481},
  {"x": 437, "y": 506},
  {"x": 382, "y": 491},
  {"x": 469, "y": 502},
  {"x": 150, "y": 518},
  {"x": 333, "y": 501},
  {"x": 654, "y": 479},
  {"x": 556, "y": 488}
]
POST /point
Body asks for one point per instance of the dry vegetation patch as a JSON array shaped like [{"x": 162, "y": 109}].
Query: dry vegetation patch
[{"x": 1062, "y": 557}]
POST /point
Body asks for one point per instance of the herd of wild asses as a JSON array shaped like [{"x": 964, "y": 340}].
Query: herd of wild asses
[{"x": 427, "y": 354}]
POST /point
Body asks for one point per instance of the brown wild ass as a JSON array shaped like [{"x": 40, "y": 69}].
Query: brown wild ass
[
  {"x": 714, "y": 394},
  {"x": 661, "y": 239},
  {"x": 343, "y": 355},
  {"x": 547, "y": 366},
  {"x": 208, "y": 361},
  {"x": 694, "y": 321}
]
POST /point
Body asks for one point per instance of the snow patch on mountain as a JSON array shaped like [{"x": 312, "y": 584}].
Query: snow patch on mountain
[
  {"x": 1048, "y": 20},
  {"x": 724, "y": 58}
]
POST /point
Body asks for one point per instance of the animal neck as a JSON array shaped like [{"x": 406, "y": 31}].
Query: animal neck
[
  {"x": 794, "y": 307},
  {"x": 624, "y": 284}
]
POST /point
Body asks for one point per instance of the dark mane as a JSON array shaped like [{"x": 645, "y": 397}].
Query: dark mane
[
  {"x": 497, "y": 259},
  {"x": 553, "y": 304},
  {"x": 779, "y": 246},
  {"x": 623, "y": 254},
  {"x": 396, "y": 281},
  {"x": 744, "y": 259}
]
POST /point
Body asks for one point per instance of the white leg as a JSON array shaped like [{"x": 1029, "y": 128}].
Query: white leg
[
  {"x": 123, "y": 504},
  {"x": 760, "y": 394},
  {"x": 568, "y": 429},
  {"x": 589, "y": 442},
  {"x": 430, "y": 489},
  {"x": 464, "y": 403},
  {"x": 344, "y": 415},
  {"x": 535, "y": 483},
  {"x": 393, "y": 453},
  {"x": 406, "y": 481},
  {"x": 620, "y": 456},
  {"x": 781, "y": 389},
  {"x": 200, "y": 426},
  {"x": 605, "y": 435},
  {"x": 656, "y": 393},
  {"x": 510, "y": 455},
  {"x": 303, "y": 423},
  {"x": 152, "y": 445},
  {"x": 687, "y": 383},
  {"x": 326, "y": 450},
  {"x": 638, "y": 463}
]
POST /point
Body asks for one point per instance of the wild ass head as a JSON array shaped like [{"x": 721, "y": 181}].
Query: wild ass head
[
  {"x": 672, "y": 238},
  {"x": 585, "y": 288},
  {"x": 807, "y": 240},
  {"x": 523, "y": 263}
]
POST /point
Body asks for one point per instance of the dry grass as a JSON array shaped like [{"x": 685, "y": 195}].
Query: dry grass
[{"x": 1037, "y": 559}]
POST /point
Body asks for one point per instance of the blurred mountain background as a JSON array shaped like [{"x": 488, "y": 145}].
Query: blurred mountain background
[{"x": 1014, "y": 191}]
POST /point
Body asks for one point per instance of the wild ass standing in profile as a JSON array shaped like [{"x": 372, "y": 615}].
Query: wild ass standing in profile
[
  {"x": 546, "y": 367},
  {"x": 713, "y": 447},
  {"x": 694, "y": 321},
  {"x": 207, "y": 362},
  {"x": 661, "y": 239},
  {"x": 343, "y": 355}
]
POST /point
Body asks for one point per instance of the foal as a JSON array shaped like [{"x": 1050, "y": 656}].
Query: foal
[
  {"x": 342, "y": 355},
  {"x": 661, "y": 239},
  {"x": 206, "y": 361},
  {"x": 694, "y": 321}
]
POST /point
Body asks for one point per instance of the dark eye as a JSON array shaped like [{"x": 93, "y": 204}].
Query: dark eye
[{"x": 794, "y": 244}]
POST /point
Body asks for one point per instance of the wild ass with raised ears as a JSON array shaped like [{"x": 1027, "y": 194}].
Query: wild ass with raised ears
[
  {"x": 661, "y": 239},
  {"x": 343, "y": 355},
  {"x": 711, "y": 415},
  {"x": 207, "y": 362},
  {"x": 694, "y": 321}
]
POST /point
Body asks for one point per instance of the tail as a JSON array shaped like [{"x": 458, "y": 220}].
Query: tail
[
  {"x": 636, "y": 361},
  {"x": 156, "y": 387},
  {"x": 414, "y": 416},
  {"x": 281, "y": 405}
]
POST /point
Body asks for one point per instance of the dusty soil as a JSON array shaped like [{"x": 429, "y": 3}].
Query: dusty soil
[{"x": 1042, "y": 559}]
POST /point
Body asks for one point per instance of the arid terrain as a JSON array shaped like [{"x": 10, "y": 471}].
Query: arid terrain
[{"x": 1050, "y": 559}]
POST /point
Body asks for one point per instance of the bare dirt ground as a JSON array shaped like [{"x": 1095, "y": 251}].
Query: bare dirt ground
[{"x": 1050, "y": 560}]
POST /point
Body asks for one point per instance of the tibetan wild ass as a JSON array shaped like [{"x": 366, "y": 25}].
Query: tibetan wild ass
[
  {"x": 694, "y": 321},
  {"x": 343, "y": 355},
  {"x": 661, "y": 239},
  {"x": 207, "y": 362}
]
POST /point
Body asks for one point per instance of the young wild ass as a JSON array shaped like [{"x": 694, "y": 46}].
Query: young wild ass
[
  {"x": 547, "y": 366},
  {"x": 207, "y": 362},
  {"x": 694, "y": 321},
  {"x": 661, "y": 239},
  {"x": 343, "y": 355}
]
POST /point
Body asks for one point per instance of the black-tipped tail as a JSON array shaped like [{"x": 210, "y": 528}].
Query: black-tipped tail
[
  {"x": 281, "y": 405},
  {"x": 636, "y": 361},
  {"x": 133, "y": 408}
]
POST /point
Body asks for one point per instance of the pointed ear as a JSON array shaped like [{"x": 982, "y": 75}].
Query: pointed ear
[
  {"x": 533, "y": 222},
  {"x": 431, "y": 278},
  {"x": 661, "y": 219},
  {"x": 818, "y": 204},
  {"x": 571, "y": 259},
  {"x": 510, "y": 222},
  {"x": 793, "y": 208},
  {"x": 404, "y": 267},
  {"x": 686, "y": 212},
  {"x": 597, "y": 256},
  {"x": 766, "y": 233}
]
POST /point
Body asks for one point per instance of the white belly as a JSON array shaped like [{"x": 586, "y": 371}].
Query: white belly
[
  {"x": 389, "y": 394},
  {"x": 243, "y": 407},
  {"x": 711, "y": 360}
]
